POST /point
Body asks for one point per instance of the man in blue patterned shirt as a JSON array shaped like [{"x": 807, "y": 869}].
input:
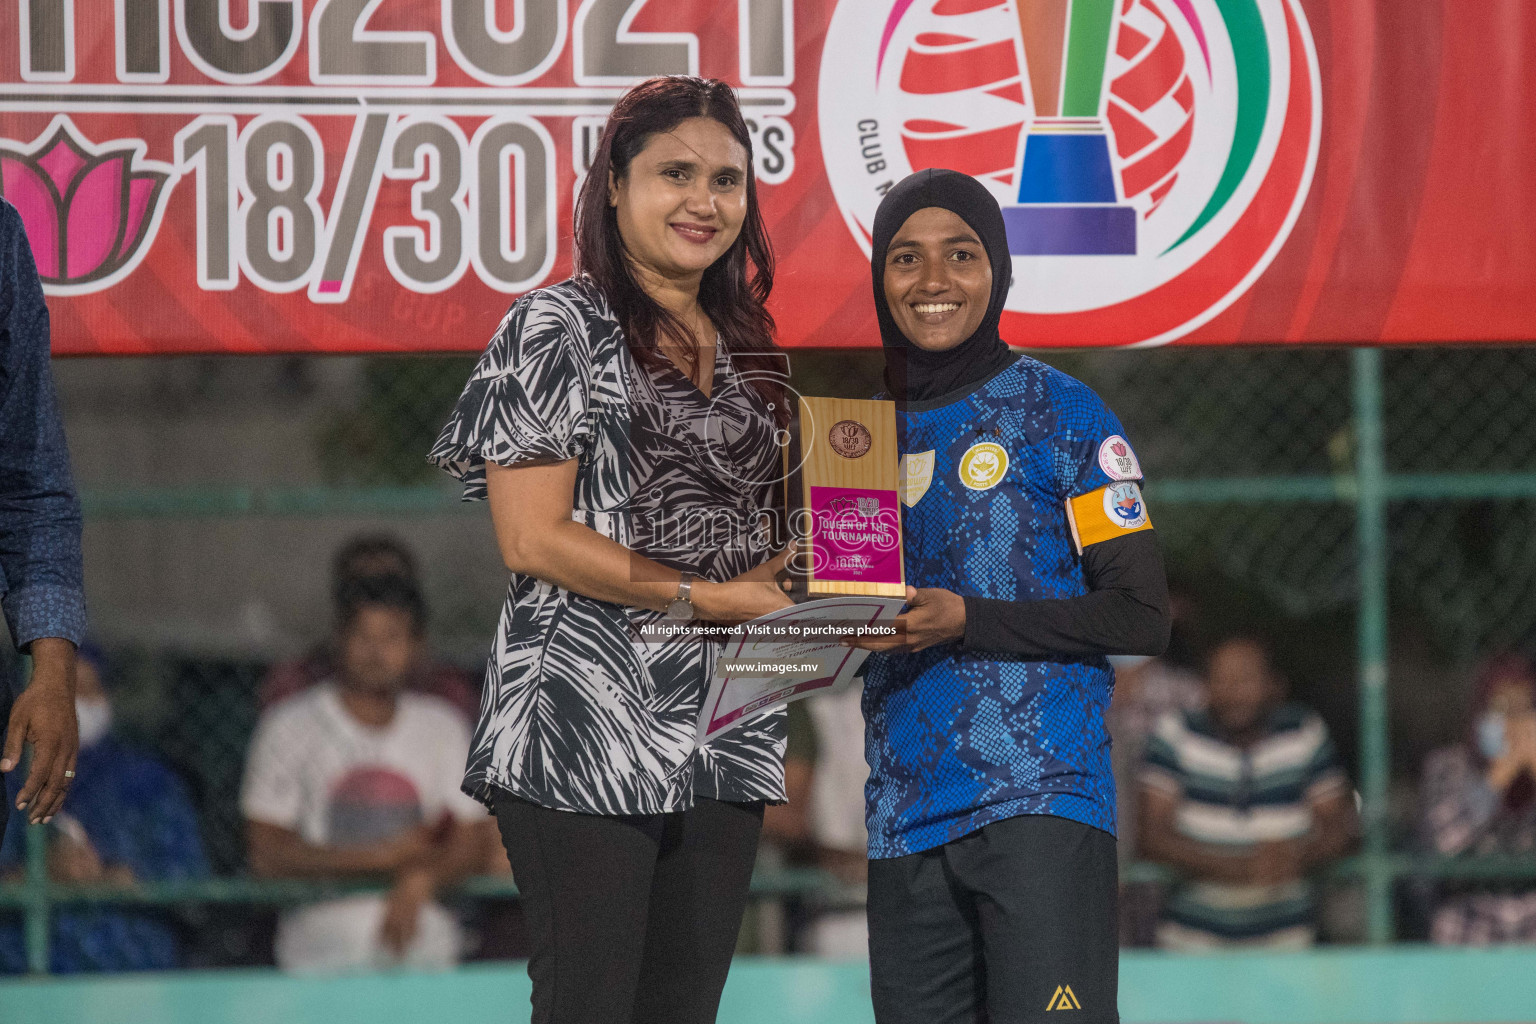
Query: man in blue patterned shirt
[
  {"x": 990, "y": 802},
  {"x": 41, "y": 588}
]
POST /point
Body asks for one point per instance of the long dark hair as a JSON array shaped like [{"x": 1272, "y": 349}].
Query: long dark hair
[{"x": 735, "y": 288}]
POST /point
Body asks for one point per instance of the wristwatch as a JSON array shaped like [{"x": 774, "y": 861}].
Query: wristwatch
[{"x": 682, "y": 605}]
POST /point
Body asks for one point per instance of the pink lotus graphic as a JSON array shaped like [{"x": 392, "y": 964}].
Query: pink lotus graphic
[{"x": 89, "y": 210}]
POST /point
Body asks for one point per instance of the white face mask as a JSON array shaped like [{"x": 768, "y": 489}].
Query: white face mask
[
  {"x": 95, "y": 717},
  {"x": 1490, "y": 734}
]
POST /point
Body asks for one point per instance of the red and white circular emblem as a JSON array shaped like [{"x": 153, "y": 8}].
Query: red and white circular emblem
[{"x": 1194, "y": 123}]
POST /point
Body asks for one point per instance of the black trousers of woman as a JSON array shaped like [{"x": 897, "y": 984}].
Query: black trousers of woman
[{"x": 632, "y": 919}]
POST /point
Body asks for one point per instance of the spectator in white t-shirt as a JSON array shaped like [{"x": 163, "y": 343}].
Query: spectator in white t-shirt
[{"x": 355, "y": 778}]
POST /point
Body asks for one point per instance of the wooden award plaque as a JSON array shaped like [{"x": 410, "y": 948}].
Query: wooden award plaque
[{"x": 848, "y": 494}]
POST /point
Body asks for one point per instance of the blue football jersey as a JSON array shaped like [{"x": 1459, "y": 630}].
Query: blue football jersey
[{"x": 957, "y": 739}]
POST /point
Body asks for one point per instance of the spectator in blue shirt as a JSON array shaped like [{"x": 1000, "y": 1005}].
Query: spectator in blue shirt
[
  {"x": 130, "y": 820},
  {"x": 41, "y": 590}
]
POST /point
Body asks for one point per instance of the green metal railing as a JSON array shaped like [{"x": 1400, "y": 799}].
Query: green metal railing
[
  {"x": 1361, "y": 481},
  {"x": 1371, "y": 632},
  {"x": 280, "y": 892},
  {"x": 808, "y": 883}
]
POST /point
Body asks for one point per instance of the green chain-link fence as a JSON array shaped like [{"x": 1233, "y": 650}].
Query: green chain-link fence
[{"x": 1368, "y": 510}]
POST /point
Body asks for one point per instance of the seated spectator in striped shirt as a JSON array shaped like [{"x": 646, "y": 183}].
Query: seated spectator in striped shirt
[{"x": 1243, "y": 798}]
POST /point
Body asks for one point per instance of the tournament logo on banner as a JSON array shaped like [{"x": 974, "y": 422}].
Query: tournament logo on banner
[
  {"x": 334, "y": 175},
  {"x": 1150, "y": 156},
  {"x": 89, "y": 212}
]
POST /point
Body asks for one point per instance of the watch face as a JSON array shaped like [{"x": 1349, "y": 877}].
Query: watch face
[{"x": 680, "y": 609}]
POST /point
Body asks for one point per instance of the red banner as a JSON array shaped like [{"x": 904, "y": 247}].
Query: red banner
[{"x": 385, "y": 175}]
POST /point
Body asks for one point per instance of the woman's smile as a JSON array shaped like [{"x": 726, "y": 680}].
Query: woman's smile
[
  {"x": 698, "y": 234},
  {"x": 935, "y": 312}
]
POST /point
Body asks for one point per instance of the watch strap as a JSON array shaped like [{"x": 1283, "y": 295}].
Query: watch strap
[{"x": 681, "y": 606}]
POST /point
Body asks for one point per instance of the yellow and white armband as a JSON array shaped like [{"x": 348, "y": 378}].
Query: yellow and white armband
[{"x": 1107, "y": 513}]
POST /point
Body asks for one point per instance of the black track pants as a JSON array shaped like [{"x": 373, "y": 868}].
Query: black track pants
[
  {"x": 632, "y": 919},
  {"x": 1012, "y": 924}
]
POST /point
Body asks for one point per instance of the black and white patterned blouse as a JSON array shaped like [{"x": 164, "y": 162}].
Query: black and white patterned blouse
[{"x": 580, "y": 712}]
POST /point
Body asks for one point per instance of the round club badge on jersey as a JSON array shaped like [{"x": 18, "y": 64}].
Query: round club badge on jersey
[
  {"x": 1117, "y": 460},
  {"x": 983, "y": 465},
  {"x": 1123, "y": 506}
]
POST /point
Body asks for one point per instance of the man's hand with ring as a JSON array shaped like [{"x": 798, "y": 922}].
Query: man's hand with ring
[{"x": 44, "y": 716}]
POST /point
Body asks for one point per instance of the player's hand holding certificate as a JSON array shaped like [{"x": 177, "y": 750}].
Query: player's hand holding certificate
[{"x": 790, "y": 654}]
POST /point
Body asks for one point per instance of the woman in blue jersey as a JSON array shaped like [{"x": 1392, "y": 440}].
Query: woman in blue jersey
[{"x": 990, "y": 801}]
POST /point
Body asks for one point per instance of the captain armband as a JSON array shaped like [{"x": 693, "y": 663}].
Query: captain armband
[{"x": 1107, "y": 513}]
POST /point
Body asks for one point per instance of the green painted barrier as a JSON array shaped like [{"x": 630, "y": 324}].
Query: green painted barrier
[{"x": 1401, "y": 985}]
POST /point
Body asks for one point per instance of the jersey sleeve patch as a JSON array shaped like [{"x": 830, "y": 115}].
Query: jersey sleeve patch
[
  {"x": 1118, "y": 460},
  {"x": 1107, "y": 513}
]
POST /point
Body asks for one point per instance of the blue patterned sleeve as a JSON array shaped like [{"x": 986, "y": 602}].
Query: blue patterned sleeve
[
  {"x": 41, "y": 579},
  {"x": 1089, "y": 446},
  {"x": 1125, "y": 609}
]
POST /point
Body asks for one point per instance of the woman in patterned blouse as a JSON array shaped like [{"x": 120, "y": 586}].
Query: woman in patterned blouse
[
  {"x": 1479, "y": 799},
  {"x": 625, "y": 425}
]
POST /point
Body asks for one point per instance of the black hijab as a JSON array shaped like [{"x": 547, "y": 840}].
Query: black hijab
[{"x": 911, "y": 374}]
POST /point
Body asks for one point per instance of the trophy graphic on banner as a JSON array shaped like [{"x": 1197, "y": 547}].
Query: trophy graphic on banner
[
  {"x": 846, "y": 487},
  {"x": 1069, "y": 197}
]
